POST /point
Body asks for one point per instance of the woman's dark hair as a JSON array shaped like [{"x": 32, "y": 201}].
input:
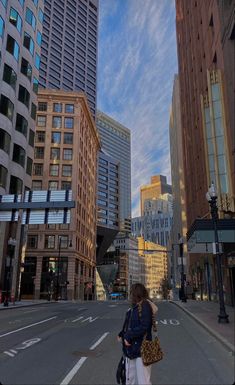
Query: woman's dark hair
[{"x": 138, "y": 293}]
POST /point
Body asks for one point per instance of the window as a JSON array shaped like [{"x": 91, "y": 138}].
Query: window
[
  {"x": 42, "y": 106},
  {"x": 28, "y": 43},
  {"x": 31, "y": 138},
  {"x": 37, "y": 61},
  {"x": 6, "y": 107},
  {"x": 40, "y": 15},
  {"x": 68, "y": 122},
  {"x": 56, "y": 122},
  {"x": 35, "y": 85},
  {"x": 18, "y": 155},
  {"x": 57, "y": 107},
  {"x": 2, "y": 27},
  {"x": 49, "y": 241},
  {"x": 53, "y": 185},
  {"x": 26, "y": 68},
  {"x": 32, "y": 241},
  {"x": 33, "y": 111},
  {"x": 54, "y": 170},
  {"x": 29, "y": 166},
  {"x": 35, "y": 3},
  {"x": 40, "y": 137},
  {"x": 65, "y": 185},
  {"x": 64, "y": 241},
  {"x": 39, "y": 152},
  {"x": 9, "y": 76},
  {"x": 66, "y": 170},
  {"x": 4, "y": 3},
  {"x": 69, "y": 108},
  {"x": 39, "y": 38},
  {"x": 68, "y": 154},
  {"x": 16, "y": 185},
  {"x": 3, "y": 176},
  {"x": 23, "y": 96},
  {"x": 36, "y": 185},
  {"x": 5, "y": 141},
  {"x": 38, "y": 169},
  {"x": 55, "y": 153},
  {"x": 21, "y": 124},
  {"x": 55, "y": 137},
  {"x": 41, "y": 120},
  {"x": 30, "y": 18},
  {"x": 12, "y": 47},
  {"x": 68, "y": 138},
  {"x": 21, "y": 3},
  {"x": 15, "y": 19}
]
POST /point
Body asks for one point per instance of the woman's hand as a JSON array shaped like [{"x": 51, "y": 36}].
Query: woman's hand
[
  {"x": 126, "y": 343},
  {"x": 119, "y": 339}
]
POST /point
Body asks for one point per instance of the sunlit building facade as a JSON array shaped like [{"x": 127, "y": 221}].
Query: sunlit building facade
[{"x": 65, "y": 157}]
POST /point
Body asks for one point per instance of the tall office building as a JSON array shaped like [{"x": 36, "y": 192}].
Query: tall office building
[
  {"x": 69, "y": 47},
  {"x": 20, "y": 48},
  {"x": 179, "y": 225},
  {"x": 116, "y": 141},
  {"x": 157, "y": 187},
  {"x": 63, "y": 257},
  {"x": 206, "y": 56}
]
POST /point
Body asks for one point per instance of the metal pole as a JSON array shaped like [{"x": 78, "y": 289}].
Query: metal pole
[
  {"x": 183, "y": 296},
  {"x": 222, "y": 316},
  {"x": 57, "y": 277}
]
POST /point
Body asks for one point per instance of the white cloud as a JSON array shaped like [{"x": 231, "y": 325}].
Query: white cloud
[{"x": 136, "y": 69}]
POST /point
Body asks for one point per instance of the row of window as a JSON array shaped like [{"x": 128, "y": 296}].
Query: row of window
[
  {"x": 52, "y": 185},
  {"x": 55, "y": 153},
  {"x": 53, "y": 169},
  {"x": 57, "y": 107},
  {"x": 63, "y": 240},
  {"x": 10, "y": 76},
  {"x": 56, "y": 121},
  {"x": 16, "y": 184}
]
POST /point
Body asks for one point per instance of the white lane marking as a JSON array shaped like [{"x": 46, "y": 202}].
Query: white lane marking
[
  {"x": 26, "y": 327},
  {"x": 73, "y": 371},
  {"x": 9, "y": 354},
  {"x": 77, "y": 319},
  {"x": 99, "y": 341},
  {"x": 78, "y": 365},
  {"x": 31, "y": 311},
  {"x": 173, "y": 322},
  {"x": 89, "y": 319}
]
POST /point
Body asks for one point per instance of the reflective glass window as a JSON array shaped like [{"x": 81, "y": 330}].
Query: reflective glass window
[
  {"x": 6, "y": 107},
  {"x": 39, "y": 38},
  {"x": 2, "y": 26},
  {"x": 28, "y": 43},
  {"x": 5, "y": 141},
  {"x": 37, "y": 61},
  {"x": 21, "y": 124},
  {"x": 30, "y": 18},
  {"x": 26, "y": 68},
  {"x": 12, "y": 47},
  {"x": 55, "y": 137},
  {"x": 15, "y": 19},
  {"x": 40, "y": 15},
  {"x": 9, "y": 76}
]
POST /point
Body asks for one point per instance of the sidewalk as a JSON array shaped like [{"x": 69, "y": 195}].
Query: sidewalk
[
  {"x": 25, "y": 303},
  {"x": 206, "y": 314}
]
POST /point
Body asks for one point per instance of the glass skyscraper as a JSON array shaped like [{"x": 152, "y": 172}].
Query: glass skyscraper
[
  {"x": 116, "y": 141},
  {"x": 69, "y": 47}
]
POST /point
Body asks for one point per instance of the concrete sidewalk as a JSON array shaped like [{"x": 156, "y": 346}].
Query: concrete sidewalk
[
  {"x": 206, "y": 314},
  {"x": 25, "y": 303}
]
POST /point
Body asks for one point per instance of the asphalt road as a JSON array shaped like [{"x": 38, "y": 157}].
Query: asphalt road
[{"x": 75, "y": 343}]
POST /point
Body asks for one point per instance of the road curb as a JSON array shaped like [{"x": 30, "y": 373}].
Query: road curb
[
  {"x": 12, "y": 307},
  {"x": 221, "y": 339}
]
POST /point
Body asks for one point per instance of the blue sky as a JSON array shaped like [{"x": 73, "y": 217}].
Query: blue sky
[{"x": 137, "y": 63}]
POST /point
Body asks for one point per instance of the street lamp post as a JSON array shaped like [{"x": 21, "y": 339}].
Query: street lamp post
[
  {"x": 183, "y": 296},
  {"x": 8, "y": 267},
  {"x": 58, "y": 270},
  {"x": 212, "y": 199}
]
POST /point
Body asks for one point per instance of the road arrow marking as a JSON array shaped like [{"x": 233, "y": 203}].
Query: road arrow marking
[
  {"x": 9, "y": 354},
  {"x": 77, "y": 319},
  {"x": 89, "y": 319}
]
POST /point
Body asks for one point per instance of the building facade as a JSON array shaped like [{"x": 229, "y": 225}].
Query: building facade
[
  {"x": 107, "y": 203},
  {"x": 65, "y": 157},
  {"x": 155, "y": 266},
  {"x": 153, "y": 228},
  {"x": 116, "y": 141},
  {"x": 69, "y": 47},
  {"x": 157, "y": 187},
  {"x": 206, "y": 56},
  {"x": 179, "y": 225},
  {"x": 20, "y": 47}
]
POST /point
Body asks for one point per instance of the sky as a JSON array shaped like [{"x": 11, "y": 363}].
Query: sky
[{"x": 136, "y": 66}]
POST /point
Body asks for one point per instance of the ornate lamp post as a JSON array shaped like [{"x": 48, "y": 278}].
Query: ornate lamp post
[
  {"x": 211, "y": 196},
  {"x": 8, "y": 268}
]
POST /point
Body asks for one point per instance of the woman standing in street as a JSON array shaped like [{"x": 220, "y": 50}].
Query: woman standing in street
[{"x": 138, "y": 324}]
